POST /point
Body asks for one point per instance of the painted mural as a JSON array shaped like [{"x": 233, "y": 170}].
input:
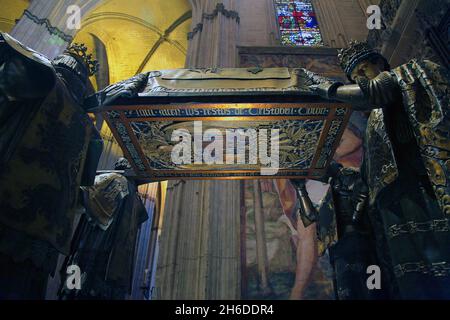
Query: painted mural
[{"x": 281, "y": 239}]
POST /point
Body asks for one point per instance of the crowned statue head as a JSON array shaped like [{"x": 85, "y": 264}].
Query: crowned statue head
[
  {"x": 75, "y": 67},
  {"x": 361, "y": 60}
]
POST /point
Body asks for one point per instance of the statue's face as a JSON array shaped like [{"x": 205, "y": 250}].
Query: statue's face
[{"x": 366, "y": 69}]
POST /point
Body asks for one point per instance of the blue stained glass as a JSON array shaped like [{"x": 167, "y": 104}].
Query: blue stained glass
[{"x": 298, "y": 23}]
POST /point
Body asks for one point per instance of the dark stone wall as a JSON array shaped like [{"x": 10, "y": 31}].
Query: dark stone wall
[{"x": 414, "y": 29}]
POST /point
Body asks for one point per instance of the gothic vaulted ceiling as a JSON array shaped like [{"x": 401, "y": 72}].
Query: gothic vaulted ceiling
[
  {"x": 10, "y": 11},
  {"x": 137, "y": 36}
]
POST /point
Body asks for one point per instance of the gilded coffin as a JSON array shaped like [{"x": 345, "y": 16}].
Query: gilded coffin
[{"x": 147, "y": 113}]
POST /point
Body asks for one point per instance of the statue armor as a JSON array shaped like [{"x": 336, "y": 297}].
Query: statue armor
[
  {"x": 422, "y": 88},
  {"x": 46, "y": 137},
  {"x": 45, "y": 143},
  {"x": 103, "y": 200},
  {"x": 406, "y": 167},
  {"x": 306, "y": 212},
  {"x": 344, "y": 229},
  {"x": 350, "y": 200},
  {"x": 381, "y": 168},
  {"x": 104, "y": 242}
]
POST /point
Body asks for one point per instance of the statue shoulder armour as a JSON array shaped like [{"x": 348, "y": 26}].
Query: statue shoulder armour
[
  {"x": 104, "y": 199},
  {"x": 38, "y": 70},
  {"x": 20, "y": 49}
]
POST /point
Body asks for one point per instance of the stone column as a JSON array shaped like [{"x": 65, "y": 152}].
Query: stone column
[
  {"x": 43, "y": 26},
  {"x": 261, "y": 245},
  {"x": 342, "y": 20},
  {"x": 331, "y": 27},
  {"x": 213, "y": 39},
  {"x": 200, "y": 240},
  {"x": 402, "y": 34}
]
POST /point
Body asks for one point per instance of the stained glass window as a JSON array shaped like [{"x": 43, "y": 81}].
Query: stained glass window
[{"x": 298, "y": 23}]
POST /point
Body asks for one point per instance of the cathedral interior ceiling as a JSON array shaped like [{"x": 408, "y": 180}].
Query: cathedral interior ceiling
[
  {"x": 138, "y": 35},
  {"x": 10, "y": 12}
]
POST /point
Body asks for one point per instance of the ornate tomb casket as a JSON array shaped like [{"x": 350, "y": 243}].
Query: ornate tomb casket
[{"x": 259, "y": 112}]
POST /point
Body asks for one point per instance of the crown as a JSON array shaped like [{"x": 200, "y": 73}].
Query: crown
[
  {"x": 356, "y": 52},
  {"x": 79, "y": 52}
]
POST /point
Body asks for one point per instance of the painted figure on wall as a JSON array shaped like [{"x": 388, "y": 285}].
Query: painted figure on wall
[
  {"x": 303, "y": 239},
  {"x": 294, "y": 270}
]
